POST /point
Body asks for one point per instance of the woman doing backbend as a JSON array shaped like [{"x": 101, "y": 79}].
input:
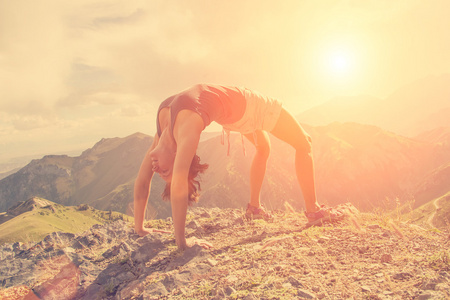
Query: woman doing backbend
[{"x": 180, "y": 121}]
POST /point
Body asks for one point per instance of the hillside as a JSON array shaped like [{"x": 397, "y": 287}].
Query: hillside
[
  {"x": 372, "y": 167},
  {"x": 88, "y": 178},
  {"x": 369, "y": 256},
  {"x": 35, "y": 218},
  {"x": 362, "y": 164},
  {"x": 433, "y": 214},
  {"x": 419, "y": 106},
  {"x": 6, "y": 174},
  {"x": 439, "y": 135}
]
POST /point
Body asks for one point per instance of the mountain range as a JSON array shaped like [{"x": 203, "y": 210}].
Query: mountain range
[
  {"x": 366, "y": 164},
  {"x": 362, "y": 164}
]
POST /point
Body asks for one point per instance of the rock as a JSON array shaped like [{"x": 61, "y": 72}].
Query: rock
[
  {"x": 250, "y": 296},
  {"x": 150, "y": 248},
  {"x": 218, "y": 294},
  {"x": 62, "y": 286},
  {"x": 212, "y": 262},
  {"x": 386, "y": 258},
  {"x": 366, "y": 289},
  {"x": 286, "y": 285},
  {"x": 229, "y": 290},
  {"x": 59, "y": 238},
  {"x": 294, "y": 282},
  {"x": 231, "y": 278},
  {"x": 363, "y": 249},
  {"x": 424, "y": 296},
  {"x": 111, "y": 252},
  {"x": 131, "y": 290},
  {"x": 176, "y": 281},
  {"x": 323, "y": 239},
  {"x": 156, "y": 289},
  {"x": 374, "y": 226},
  {"x": 387, "y": 234},
  {"x": 192, "y": 255},
  {"x": 304, "y": 294},
  {"x": 429, "y": 284},
  {"x": 193, "y": 224},
  {"x": 92, "y": 292},
  {"x": 83, "y": 207},
  {"x": 238, "y": 221},
  {"x": 402, "y": 276},
  {"x": 205, "y": 214},
  {"x": 200, "y": 269},
  {"x": 116, "y": 273},
  {"x": 116, "y": 250}
]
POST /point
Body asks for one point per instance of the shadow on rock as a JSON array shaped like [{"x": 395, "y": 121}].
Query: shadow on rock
[{"x": 124, "y": 269}]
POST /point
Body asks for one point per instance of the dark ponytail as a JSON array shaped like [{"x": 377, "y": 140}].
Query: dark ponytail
[{"x": 195, "y": 170}]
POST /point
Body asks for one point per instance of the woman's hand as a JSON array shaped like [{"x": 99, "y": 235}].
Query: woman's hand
[{"x": 202, "y": 243}]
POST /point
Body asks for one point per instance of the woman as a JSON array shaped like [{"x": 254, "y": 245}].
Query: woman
[{"x": 180, "y": 121}]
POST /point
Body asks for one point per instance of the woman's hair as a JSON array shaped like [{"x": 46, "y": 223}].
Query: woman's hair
[{"x": 195, "y": 169}]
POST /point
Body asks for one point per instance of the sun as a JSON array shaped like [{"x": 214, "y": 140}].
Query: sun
[
  {"x": 335, "y": 64},
  {"x": 339, "y": 62}
]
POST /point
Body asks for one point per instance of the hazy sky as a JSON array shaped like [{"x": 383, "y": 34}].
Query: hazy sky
[{"x": 72, "y": 72}]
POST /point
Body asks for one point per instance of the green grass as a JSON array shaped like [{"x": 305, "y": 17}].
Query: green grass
[{"x": 33, "y": 226}]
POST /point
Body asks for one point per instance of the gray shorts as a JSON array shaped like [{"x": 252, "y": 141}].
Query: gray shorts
[{"x": 261, "y": 113}]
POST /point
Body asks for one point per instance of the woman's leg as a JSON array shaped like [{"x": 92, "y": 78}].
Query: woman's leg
[
  {"x": 259, "y": 163},
  {"x": 289, "y": 130}
]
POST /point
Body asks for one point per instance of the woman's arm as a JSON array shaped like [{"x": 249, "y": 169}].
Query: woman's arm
[
  {"x": 142, "y": 190},
  {"x": 187, "y": 137}
]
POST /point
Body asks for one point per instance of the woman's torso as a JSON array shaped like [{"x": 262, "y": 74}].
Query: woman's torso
[{"x": 217, "y": 103}]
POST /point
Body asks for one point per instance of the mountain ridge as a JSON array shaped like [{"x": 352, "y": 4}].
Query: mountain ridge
[{"x": 359, "y": 163}]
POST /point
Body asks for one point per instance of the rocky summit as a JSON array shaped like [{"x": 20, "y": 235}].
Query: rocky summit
[{"x": 365, "y": 256}]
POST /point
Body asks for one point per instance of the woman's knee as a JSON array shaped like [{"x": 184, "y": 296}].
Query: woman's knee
[
  {"x": 261, "y": 141},
  {"x": 263, "y": 150}
]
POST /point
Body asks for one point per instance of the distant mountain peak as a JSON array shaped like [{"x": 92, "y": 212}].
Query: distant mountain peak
[{"x": 107, "y": 144}]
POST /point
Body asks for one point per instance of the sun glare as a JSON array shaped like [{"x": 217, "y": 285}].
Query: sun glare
[{"x": 338, "y": 62}]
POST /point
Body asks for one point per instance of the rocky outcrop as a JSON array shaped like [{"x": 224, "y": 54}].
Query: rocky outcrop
[
  {"x": 30, "y": 204},
  {"x": 364, "y": 256}
]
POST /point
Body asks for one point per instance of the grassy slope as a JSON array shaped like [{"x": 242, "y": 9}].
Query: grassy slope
[
  {"x": 439, "y": 216},
  {"x": 35, "y": 225}
]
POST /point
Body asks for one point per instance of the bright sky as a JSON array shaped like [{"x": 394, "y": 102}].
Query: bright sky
[{"x": 72, "y": 72}]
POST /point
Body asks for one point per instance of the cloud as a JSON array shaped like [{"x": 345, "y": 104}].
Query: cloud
[
  {"x": 64, "y": 64},
  {"x": 66, "y": 54},
  {"x": 34, "y": 58},
  {"x": 30, "y": 122}
]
